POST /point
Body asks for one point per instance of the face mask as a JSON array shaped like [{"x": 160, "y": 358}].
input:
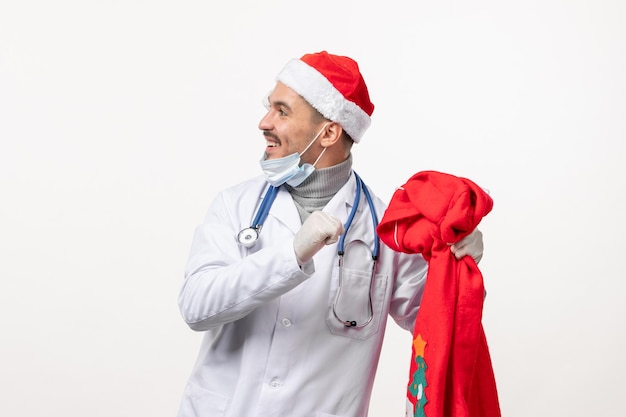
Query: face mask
[{"x": 287, "y": 169}]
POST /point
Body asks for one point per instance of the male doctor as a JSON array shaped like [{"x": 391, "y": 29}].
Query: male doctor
[{"x": 288, "y": 331}]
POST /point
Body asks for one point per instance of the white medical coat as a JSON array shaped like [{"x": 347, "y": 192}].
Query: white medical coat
[{"x": 272, "y": 345}]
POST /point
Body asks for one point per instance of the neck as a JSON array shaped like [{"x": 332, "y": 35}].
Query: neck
[{"x": 318, "y": 189}]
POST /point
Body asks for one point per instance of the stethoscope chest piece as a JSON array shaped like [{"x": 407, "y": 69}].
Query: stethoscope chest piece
[{"x": 248, "y": 237}]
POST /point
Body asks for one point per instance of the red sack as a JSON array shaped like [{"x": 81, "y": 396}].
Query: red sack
[{"x": 451, "y": 374}]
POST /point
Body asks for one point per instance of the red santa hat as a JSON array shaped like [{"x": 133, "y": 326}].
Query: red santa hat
[{"x": 334, "y": 86}]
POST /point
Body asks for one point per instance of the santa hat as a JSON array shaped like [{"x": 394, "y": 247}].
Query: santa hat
[{"x": 334, "y": 86}]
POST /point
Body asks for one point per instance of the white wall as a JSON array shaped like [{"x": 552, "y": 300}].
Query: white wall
[{"x": 120, "y": 120}]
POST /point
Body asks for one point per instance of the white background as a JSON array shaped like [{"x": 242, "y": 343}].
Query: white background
[{"x": 120, "y": 120}]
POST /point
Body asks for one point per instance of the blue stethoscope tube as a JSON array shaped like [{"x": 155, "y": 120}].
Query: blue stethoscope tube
[
  {"x": 341, "y": 251},
  {"x": 248, "y": 237}
]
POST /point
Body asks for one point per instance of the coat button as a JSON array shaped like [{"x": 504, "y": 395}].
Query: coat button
[
  {"x": 286, "y": 322},
  {"x": 274, "y": 383}
]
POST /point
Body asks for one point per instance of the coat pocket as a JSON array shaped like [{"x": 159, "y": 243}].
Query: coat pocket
[
  {"x": 349, "y": 301},
  {"x": 200, "y": 402}
]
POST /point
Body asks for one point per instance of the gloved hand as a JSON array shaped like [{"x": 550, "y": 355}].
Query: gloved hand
[
  {"x": 471, "y": 244},
  {"x": 318, "y": 229}
]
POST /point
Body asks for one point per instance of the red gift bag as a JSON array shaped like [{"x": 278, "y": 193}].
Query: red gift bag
[{"x": 451, "y": 374}]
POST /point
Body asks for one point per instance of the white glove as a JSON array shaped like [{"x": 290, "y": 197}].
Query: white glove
[
  {"x": 471, "y": 245},
  {"x": 318, "y": 229}
]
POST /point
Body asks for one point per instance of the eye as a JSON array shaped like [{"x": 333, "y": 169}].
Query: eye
[{"x": 266, "y": 102}]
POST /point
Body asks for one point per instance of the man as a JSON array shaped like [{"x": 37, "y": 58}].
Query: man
[{"x": 288, "y": 330}]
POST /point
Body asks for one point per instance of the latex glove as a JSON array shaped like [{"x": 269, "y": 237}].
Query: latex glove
[
  {"x": 318, "y": 229},
  {"x": 471, "y": 244}
]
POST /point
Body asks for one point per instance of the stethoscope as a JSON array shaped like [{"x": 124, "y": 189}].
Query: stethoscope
[{"x": 250, "y": 235}]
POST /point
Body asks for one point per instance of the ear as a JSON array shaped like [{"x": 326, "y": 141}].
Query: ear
[{"x": 331, "y": 135}]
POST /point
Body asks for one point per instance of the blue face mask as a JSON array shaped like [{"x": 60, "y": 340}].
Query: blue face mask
[{"x": 288, "y": 169}]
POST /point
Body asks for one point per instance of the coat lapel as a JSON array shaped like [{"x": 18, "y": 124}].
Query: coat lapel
[{"x": 284, "y": 210}]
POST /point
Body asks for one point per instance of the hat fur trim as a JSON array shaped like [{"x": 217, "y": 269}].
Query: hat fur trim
[{"x": 324, "y": 97}]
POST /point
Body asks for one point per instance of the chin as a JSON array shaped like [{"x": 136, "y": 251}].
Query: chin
[{"x": 273, "y": 155}]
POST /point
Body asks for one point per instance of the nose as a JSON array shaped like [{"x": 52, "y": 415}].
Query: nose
[{"x": 266, "y": 122}]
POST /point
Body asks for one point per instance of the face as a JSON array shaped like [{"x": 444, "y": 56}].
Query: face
[{"x": 290, "y": 125}]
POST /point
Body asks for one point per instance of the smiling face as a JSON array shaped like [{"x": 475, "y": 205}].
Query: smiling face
[{"x": 290, "y": 125}]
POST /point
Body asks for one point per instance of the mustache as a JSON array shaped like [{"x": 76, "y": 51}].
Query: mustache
[{"x": 269, "y": 134}]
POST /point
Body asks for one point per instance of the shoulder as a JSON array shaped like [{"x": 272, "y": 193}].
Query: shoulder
[
  {"x": 257, "y": 183},
  {"x": 245, "y": 193},
  {"x": 380, "y": 205}
]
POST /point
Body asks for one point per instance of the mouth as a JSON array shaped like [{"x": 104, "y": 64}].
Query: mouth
[{"x": 271, "y": 140}]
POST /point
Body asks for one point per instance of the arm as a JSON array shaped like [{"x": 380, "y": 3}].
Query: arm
[
  {"x": 224, "y": 283},
  {"x": 408, "y": 288}
]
